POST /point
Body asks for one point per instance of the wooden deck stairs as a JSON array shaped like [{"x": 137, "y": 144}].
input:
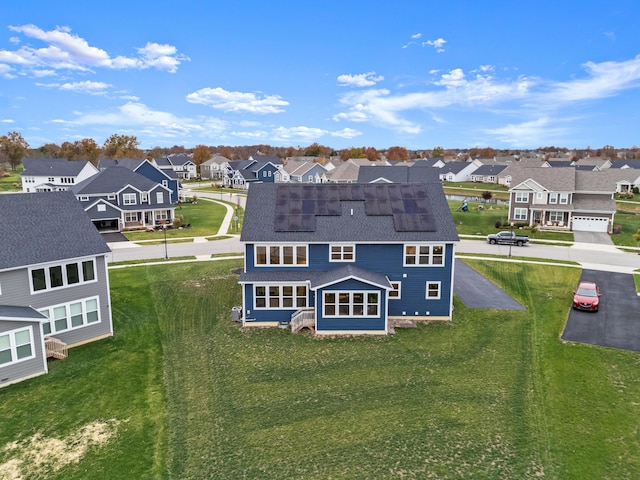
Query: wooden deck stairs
[{"x": 55, "y": 348}]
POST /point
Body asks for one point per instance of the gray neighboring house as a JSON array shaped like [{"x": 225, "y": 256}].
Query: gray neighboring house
[
  {"x": 54, "y": 284},
  {"x": 53, "y": 174},
  {"x": 118, "y": 198},
  {"x": 213, "y": 168},
  {"x": 399, "y": 174}
]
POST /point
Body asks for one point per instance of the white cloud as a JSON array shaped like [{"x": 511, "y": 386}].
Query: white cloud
[
  {"x": 359, "y": 80},
  {"x": 63, "y": 50},
  {"x": 438, "y": 44},
  {"x": 92, "y": 88},
  {"x": 221, "y": 99},
  {"x": 6, "y": 120},
  {"x": 416, "y": 36},
  {"x": 143, "y": 121},
  {"x": 301, "y": 133},
  {"x": 346, "y": 133},
  {"x": 532, "y": 133}
]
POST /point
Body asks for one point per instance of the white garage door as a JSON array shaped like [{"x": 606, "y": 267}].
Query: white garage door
[{"x": 590, "y": 224}]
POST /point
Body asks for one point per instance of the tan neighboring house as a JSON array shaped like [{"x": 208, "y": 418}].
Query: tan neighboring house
[{"x": 562, "y": 199}]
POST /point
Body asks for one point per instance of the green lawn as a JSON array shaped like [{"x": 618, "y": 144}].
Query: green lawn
[
  {"x": 185, "y": 393},
  {"x": 204, "y": 216},
  {"x": 10, "y": 181}
]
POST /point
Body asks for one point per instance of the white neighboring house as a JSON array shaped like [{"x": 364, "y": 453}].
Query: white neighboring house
[{"x": 54, "y": 174}]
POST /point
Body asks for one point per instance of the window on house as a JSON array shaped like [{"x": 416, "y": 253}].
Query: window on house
[
  {"x": 520, "y": 213},
  {"x": 280, "y": 296},
  {"x": 564, "y": 198},
  {"x": 342, "y": 253},
  {"x": 102, "y": 207},
  {"x": 556, "y": 216},
  {"x": 58, "y": 276},
  {"x": 351, "y": 304},
  {"x": 131, "y": 216},
  {"x": 129, "y": 198},
  {"x": 433, "y": 290},
  {"x": 423, "y": 255},
  {"x": 290, "y": 255},
  {"x": 396, "y": 293},
  {"x": 111, "y": 197},
  {"x": 159, "y": 197},
  {"x": 522, "y": 197},
  {"x": 553, "y": 197},
  {"x": 16, "y": 345},
  {"x": 70, "y": 316},
  {"x": 84, "y": 198},
  {"x": 161, "y": 215}
]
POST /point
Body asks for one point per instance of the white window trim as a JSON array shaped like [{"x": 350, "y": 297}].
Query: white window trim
[
  {"x": 351, "y": 293},
  {"x": 84, "y": 198},
  {"x": 521, "y": 197},
  {"x": 427, "y": 290},
  {"x": 65, "y": 283},
  {"x": 129, "y": 199},
  {"x": 13, "y": 347},
  {"x": 342, "y": 252},
  {"x": 397, "y": 287},
  {"x": 553, "y": 198},
  {"x": 268, "y": 248},
  {"x": 431, "y": 255},
  {"x": 517, "y": 213},
  {"x": 111, "y": 197},
  {"x": 48, "y": 312},
  {"x": 280, "y": 296},
  {"x": 563, "y": 199}
]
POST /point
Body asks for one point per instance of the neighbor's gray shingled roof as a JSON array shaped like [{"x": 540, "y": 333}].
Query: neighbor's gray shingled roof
[
  {"x": 45, "y": 227},
  {"x": 400, "y": 174},
  {"x": 111, "y": 180},
  {"x": 41, "y": 167},
  {"x": 260, "y": 214},
  {"x": 14, "y": 312}
]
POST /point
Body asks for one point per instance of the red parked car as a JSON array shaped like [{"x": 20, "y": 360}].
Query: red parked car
[{"x": 586, "y": 297}]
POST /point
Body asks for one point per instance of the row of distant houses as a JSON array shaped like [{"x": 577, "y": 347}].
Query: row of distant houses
[{"x": 351, "y": 257}]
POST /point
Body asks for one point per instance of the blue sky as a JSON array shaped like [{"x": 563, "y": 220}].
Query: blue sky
[{"x": 417, "y": 74}]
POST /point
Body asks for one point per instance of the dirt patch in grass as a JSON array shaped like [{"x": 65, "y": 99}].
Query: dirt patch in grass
[{"x": 36, "y": 455}]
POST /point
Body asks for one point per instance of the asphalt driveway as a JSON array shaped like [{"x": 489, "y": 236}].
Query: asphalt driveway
[
  {"x": 477, "y": 291},
  {"x": 617, "y": 323}
]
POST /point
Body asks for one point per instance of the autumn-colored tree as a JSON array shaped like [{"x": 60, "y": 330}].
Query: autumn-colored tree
[
  {"x": 89, "y": 150},
  {"x": 397, "y": 153},
  {"x": 317, "y": 150},
  {"x": 226, "y": 152},
  {"x": 371, "y": 154},
  {"x": 201, "y": 154},
  {"x": 118, "y": 146},
  {"x": 437, "y": 152},
  {"x": 49, "y": 150},
  {"x": 13, "y": 148},
  {"x": 69, "y": 151}
]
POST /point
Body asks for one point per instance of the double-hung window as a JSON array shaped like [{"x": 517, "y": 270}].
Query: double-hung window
[
  {"x": 342, "y": 253},
  {"x": 433, "y": 290},
  {"x": 396, "y": 293},
  {"x": 520, "y": 213},
  {"x": 522, "y": 197},
  {"x": 351, "y": 304},
  {"x": 280, "y": 296},
  {"x": 69, "y": 316},
  {"x": 16, "y": 345},
  {"x": 281, "y": 255},
  {"x": 129, "y": 198},
  {"x": 415, "y": 255}
]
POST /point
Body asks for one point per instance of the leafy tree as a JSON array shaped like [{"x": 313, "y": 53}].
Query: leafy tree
[
  {"x": 437, "y": 152},
  {"x": 636, "y": 237},
  {"x": 201, "y": 154},
  {"x": 13, "y": 148},
  {"x": 226, "y": 152},
  {"x": 121, "y": 146},
  {"x": 371, "y": 154},
  {"x": 487, "y": 195},
  {"x": 49, "y": 150},
  {"x": 397, "y": 153},
  {"x": 317, "y": 150}
]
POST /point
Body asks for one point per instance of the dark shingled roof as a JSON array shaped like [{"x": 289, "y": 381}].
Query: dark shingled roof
[
  {"x": 45, "y": 227},
  {"x": 111, "y": 180},
  {"x": 13, "y": 312},
  {"x": 41, "y": 167},
  {"x": 399, "y": 174},
  {"x": 347, "y": 212}
]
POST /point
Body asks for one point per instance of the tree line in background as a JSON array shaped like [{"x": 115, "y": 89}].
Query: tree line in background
[{"x": 13, "y": 148}]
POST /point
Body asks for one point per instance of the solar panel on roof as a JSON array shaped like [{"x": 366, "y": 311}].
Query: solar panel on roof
[{"x": 404, "y": 222}]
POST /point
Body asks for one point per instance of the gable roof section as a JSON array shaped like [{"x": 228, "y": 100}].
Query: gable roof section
[
  {"x": 114, "y": 179},
  {"x": 351, "y": 212},
  {"x": 41, "y": 167},
  {"x": 399, "y": 174},
  {"x": 550, "y": 179},
  {"x": 348, "y": 272},
  {"x": 45, "y": 227},
  {"x": 16, "y": 313},
  {"x": 488, "y": 170}
]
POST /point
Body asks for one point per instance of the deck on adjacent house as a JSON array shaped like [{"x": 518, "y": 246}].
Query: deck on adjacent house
[{"x": 55, "y": 348}]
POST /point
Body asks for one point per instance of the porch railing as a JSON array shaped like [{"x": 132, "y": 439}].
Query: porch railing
[{"x": 305, "y": 317}]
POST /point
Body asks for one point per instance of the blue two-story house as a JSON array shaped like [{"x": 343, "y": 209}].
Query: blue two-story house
[{"x": 347, "y": 258}]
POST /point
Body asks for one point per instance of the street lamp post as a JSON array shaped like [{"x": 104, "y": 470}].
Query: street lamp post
[
  {"x": 164, "y": 229},
  {"x": 510, "y": 243}
]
